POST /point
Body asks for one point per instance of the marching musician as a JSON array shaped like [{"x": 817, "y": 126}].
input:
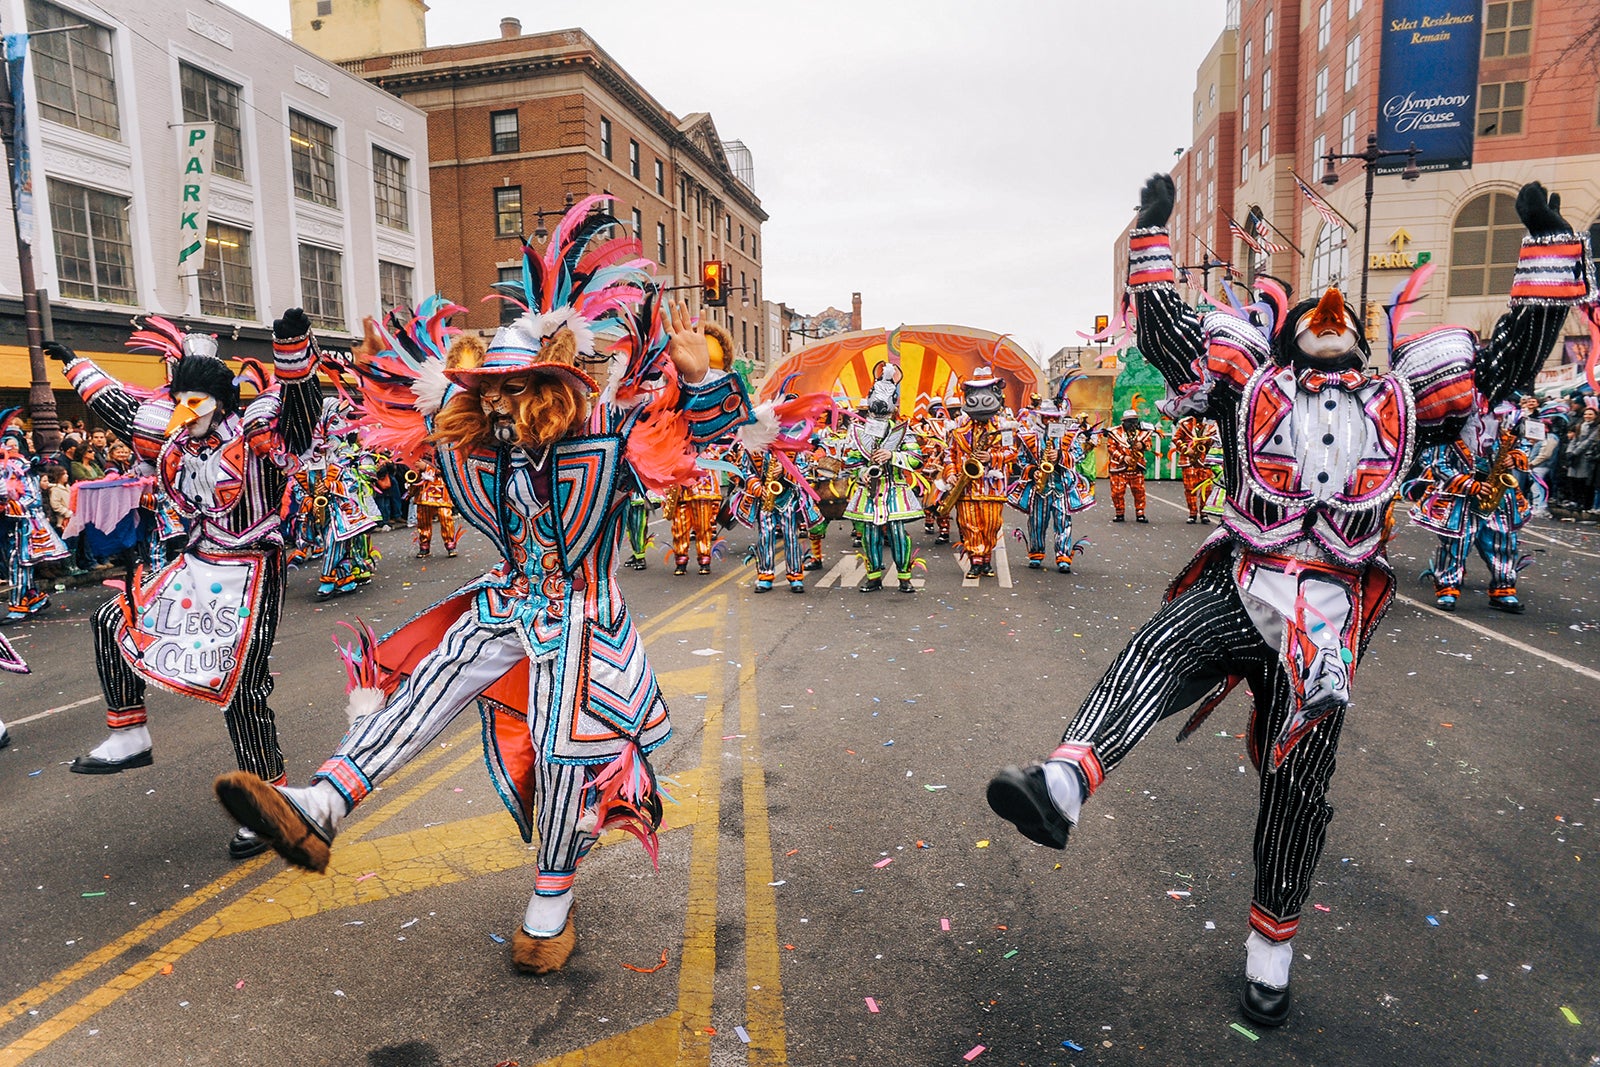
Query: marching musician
[
  {"x": 981, "y": 446},
  {"x": 1192, "y": 440},
  {"x": 1049, "y": 487},
  {"x": 1127, "y": 448},
  {"x": 882, "y": 451}
]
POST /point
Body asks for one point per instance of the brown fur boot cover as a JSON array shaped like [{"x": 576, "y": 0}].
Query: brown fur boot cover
[
  {"x": 254, "y": 803},
  {"x": 544, "y": 955}
]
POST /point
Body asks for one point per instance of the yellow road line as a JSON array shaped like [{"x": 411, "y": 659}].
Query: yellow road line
[
  {"x": 47, "y": 1032},
  {"x": 763, "y": 980}
]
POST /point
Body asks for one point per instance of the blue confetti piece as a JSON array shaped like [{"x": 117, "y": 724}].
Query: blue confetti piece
[
  {"x": 37, "y": 773},
  {"x": 497, "y": 939},
  {"x": 1073, "y": 1045},
  {"x": 744, "y": 1035},
  {"x": 1432, "y": 921},
  {"x": 886, "y": 744}
]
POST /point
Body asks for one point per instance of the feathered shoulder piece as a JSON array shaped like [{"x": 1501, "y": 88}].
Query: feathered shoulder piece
[{"x": 400, "y": 364}]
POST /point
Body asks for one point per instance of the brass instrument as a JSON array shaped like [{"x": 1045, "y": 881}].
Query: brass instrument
[
  {"x": 411, "y": 477},
  {"x": 1500, "y": 480},
  {"x": 971, "y": 471},
  {"x": 770, "y": 492},
  {"x": 1042, "y": 475}
]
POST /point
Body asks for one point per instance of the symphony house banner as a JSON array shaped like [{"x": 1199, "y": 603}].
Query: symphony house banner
[{"x": 1428, "y": 82}]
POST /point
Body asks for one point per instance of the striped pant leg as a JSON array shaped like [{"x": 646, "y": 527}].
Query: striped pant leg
[
  {"x": 1499, "y": 551},
  {"x": 872, "y": 539},
  {"x": 468, "y": 659},
  {"x": 682, "y": 532},
  {"x": 705, "y": 529},
  {"x": 638, "y": 528},
  {"x": 425, "y": 517},
  {"x": 766, "y": 543},
  {"x": 980, "y": 526},
  {"x": 121, "y": 686},
  {"x": 1194, "y": 641},
  {"x": 900, "y": 547},
  {"x": 559, "y": 794},
  {"x": 1292, "y": 825},
  {"x": 252, "y": 727},
  {"x": 1119, "y": 491},
  {"x": 794, "y": 553},
  {"x": 334, "y": 554},
  {"x": 452, "y": 534},
  {"x": 1450, "y": 565},
  {"x": 1038, "y": 525},
  {"x": 1192, "y": 477},
  {"x": 1063, "y": 529},
  {"x": 1136, "y": 483}
]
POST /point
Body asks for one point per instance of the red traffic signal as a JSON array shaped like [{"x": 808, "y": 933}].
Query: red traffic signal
[
  {"x": 1100, "y": 324},
  {"x": 713, "y": 283}
]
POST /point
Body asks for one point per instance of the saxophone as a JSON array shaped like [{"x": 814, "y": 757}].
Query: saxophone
[
  {"x": 971, "y": 471},
  {"x": 1499, "y": 481},
  {"x": 771, "y": 487},
  {"x": 1045, "y": 470}
]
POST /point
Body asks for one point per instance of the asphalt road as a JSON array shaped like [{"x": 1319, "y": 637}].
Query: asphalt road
[{"x": 832, "y": 887}]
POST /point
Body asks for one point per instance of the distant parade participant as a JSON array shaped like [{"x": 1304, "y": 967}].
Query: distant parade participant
[
  {"x": 432, "y": 498},
  {"x": 1049, "y": 489},
  {"x": 543, "y": 642},
  {"x": 1287, "y": 595},
  {"x": 692, "y": 510},
  {"x": 774, "y": 495},
  {"x": 223, "y": 467},
  {"x": 1470, "y": 495},
  {"x": 933, "y": 435},
  {"x": 981, "y": 446},
  {"x": 1192, "y": 440},
  {"x": 344, "y": 500},
  {"x": 636, "y": 527},
  {"x": 31, "y": 540},
  {"x": 1128, "y": 447},
  {"x": 882, "y": 452},
  {"x": 826, "y": 467}
]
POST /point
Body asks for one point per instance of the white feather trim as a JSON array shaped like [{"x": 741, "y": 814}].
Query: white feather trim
[
  {"x": 429, "y": 388},
  {"x": 549, "y": 322},
  {"x": 363, "y": 702},
  {"x": 588, "y": 823},
  {"x": 759, "y": 435}
]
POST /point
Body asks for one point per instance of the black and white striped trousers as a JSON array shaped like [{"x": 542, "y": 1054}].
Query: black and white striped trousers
[
  {"x": 251, "y": 725},
  {"x": 1194, "y": 641}
]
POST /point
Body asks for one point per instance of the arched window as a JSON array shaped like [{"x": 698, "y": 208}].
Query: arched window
[
  {"x": 1329, "y": 259},
  {"x": 1484, "y": 244}
]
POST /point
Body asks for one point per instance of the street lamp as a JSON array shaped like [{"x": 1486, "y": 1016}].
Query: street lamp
[
  {"x": 1370, "y": 158},
  {"x": 1211, "y": 263},
  {"x": 541, "y": 234}
]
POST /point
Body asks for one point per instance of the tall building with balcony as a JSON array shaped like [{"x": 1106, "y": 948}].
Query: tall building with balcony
[
  {"x": 523, "y": 124},
  {"x": 318, "y": 193}
]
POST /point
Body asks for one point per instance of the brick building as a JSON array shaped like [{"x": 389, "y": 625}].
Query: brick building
[
  {"x": 521, "y": 125},
  {"x": 1296, "y": 79}
]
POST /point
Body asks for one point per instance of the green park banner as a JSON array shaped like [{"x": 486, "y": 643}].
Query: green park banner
[{"x": 195, "y": 164}]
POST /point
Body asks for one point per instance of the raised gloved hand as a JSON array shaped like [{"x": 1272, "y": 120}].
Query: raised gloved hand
[
  {"x": 1156, "y": 200},
  {"x": 1540, "y": 211},
  {"x": 59, "y": 352},
  {"x": 293, "y": 326}
]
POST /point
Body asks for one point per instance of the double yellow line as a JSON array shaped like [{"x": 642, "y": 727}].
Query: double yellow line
[{"x": 54, "y": 1027}]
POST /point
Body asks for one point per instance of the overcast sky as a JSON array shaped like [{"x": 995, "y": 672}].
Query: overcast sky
[{"x": 967, "y": 162}]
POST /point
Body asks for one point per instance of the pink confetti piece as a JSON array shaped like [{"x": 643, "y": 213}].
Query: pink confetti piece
[
  {"x": 884, "y": 862},
  {"x": 944, "y": 924},
  {"x": 977, "y": 1050},
  {"x": 1322, "y": 907},
  {"x": 239, "y": 984},
  {"x": 369, "y": 874},
  {"x": 872, "y": 1005}
]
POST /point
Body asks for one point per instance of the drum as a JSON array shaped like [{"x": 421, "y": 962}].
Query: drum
[{"x": 832, "y": 497}]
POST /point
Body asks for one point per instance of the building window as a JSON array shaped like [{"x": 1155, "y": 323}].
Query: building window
[
  {"x": 94, "y": 256},
  {"x": 683, "y": 195},
  {"x": 505, "y": 132},
  {"x": 1319, "y": 148},
  {"x": 389, "y": 173},
  {"x": 73, "y": 69},
  {"x": 1211, "y": 197},
  {"x": 1199, "y": 111},
  {"x": 1320, "y": 101},
  {"x": 1347, "y": 132},
  {"x": 1324, "y": 24},
  {"x": 684, "y": 262},
  {"x": 395, "y": 287},
  {"x": 227, "y": 283},
  {"x": 1244, "y": 113},
  {"x": 322, "y": 286},
  {"x": 510, "y": 281},
  {"x": 638, "y": 225},
  {"x": 1355, "y": 8},
  {"x": 1244, "y": 162},
  {"x": 661, "y": 243},
  {"x": 753, "y": 254},
  {"x": 1500, "y": 108},
  {"x": 508, "y": 211},
  {"x": 1266, "y": 91},
  {"x": 661, "y": 178},
  {"x": 1211, "y": 151},
  {"x": 1266, "y": 141},
  {"x": 1266, "y": 33},
  {"x": 1352, "y": 63},
  {"x": 311, "y": 154},
  {"x": 1329, "y": 258},
  {"x": 605, "y": 137},
  {"x": 1507, "y": 28},
  {"x": 207, "y": 98},
  {"x": 633, "y": 158},
  {"x": 1247, "y": 61},
  {"x": 741, "y": 237},
  {"x": 727, "y": 227},
  {"x": 1485, "y": 241}
]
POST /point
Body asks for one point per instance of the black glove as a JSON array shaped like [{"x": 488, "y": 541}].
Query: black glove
[
  {"x": 1156, "y": 200},
  {"x": 293, "y": 326},
  {"x": 59, "y": 352},
  {"x": 1540, "y": 211}
]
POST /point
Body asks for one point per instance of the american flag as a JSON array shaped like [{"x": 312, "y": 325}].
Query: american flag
[
  {"x": 1249, "y": 240},
  {"x": 1264, "y": 239},
  {"x": 1322, "y": 207}
]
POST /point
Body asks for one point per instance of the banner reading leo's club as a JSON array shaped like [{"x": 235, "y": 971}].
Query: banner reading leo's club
[
  {"x": 188, "y": 628},
  {"x": 1428, "y": 82}
]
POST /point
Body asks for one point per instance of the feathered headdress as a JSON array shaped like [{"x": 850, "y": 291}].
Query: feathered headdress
[{"x": 401, "y": 366}]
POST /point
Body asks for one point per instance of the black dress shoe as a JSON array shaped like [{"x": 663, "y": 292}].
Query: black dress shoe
[
  {"x": 1019, "y": 795},
  {"x": 906, "y": 586},
  {"x": 246, "y": 843},
  {"x": 1118, "y": 518},
  {"x": 1140, "y": 518},
  {"x": 1264, "y": 1005},
  {"x": 96, "y": 765},
  {"x": 870, "y": 585}
]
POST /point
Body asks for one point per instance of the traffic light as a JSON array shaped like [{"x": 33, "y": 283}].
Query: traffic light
[
  {"x": 1100, "y": 324},
  {"x": 713, "y": 283}
]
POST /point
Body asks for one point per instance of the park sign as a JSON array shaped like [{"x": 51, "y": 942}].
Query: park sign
[
  {"x": 1428, "y": 82},
  {"x": 195, "y": 160}
]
